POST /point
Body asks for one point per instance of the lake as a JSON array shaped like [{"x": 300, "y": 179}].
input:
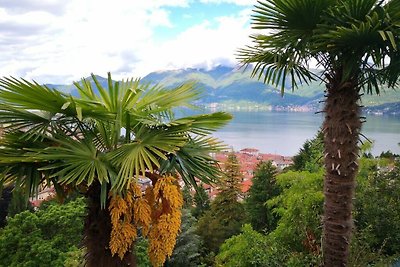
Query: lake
[{"x": 285, "y": 132}]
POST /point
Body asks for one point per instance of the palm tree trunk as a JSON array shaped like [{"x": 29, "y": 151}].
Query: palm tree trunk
[
  {"x": 97, "y": 230},
  {"x": 341, "y": 130}
]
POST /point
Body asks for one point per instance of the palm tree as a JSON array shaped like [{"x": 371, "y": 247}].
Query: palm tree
[
  {"x": 355, "y": 45},
  {"x": 101, "y": 143}
]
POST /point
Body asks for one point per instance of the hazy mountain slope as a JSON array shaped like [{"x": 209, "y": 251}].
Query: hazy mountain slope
[{"x": 226, "y": 84}]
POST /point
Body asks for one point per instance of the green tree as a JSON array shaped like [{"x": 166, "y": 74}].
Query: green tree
[
  {"x": 226, "y": 214},
  {"x": 389, "y": 155},
  {"x": 300, "y": 209},
  {"x": 310, "y": 156},
  {"x": 376, "y": 208},
  {"x": 100, "y": 143},
  {"x": 142, "y": 257},
  {"x": 42, "y": 238},
  {"x": 5, "y": 199},
  {"x": 188, "y": 244},
  {"x": 201, "y": 202},
  {"x": 355, "y": 44},
  {"x": 74, "y": 258},
  {"x": 187, "y": 197},
  {"x": 263, "y": 188},
  {"x": 296, "y": 239},
  {"x": 250, "y": 249}
]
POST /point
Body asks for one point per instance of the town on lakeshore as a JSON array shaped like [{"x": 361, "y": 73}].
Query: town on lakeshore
[{"x": 248, "y": 159}]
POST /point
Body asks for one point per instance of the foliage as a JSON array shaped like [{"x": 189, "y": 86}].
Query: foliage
[
  {"x": 187, "y": 197},
  {"x": 300, "y": 209},
  {"x": 363, "y": 254},
  {"x": 296, "y": 240},
  {"x": 141, "y": 252},
  {"x": 74, "y": 258},
  {"x": 75, "y": 144},
  {"x": 201, "y": 201},
  {"x": 263, "y": 188},
  {"x": 227, "y": 214},
  {"x": 249, "y": 248},
  {"x": 377, "y": 211},
  {"x": 188, "y": 244},
  {"x": 310, "y": 156},
  {"x": 5, "y": 199},
  {"x": 389, "y": 154},
  {"x": 43, "y": 238}
]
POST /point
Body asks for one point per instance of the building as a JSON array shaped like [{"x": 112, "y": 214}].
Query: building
[{"x": 248, "y": 159}]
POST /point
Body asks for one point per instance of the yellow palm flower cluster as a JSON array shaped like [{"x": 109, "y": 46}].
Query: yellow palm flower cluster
[
  {"x": 157, "y": 213},
  {"x": 166, "y": 220}
]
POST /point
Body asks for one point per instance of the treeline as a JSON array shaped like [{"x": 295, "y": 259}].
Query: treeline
[{"x": 278, "y": 222}]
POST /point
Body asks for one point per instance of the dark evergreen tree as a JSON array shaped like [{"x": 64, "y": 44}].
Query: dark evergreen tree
[
  {"x": 227, "y": 214},
  {"x": 201, "y": 202},
  {"x": 264, "y": 188},
  {"x": 187, "y": 197},
  {"x": 310, "y": 156},
  {"x": 5, "y": 199},
  {"x": 389, "y": 155}
]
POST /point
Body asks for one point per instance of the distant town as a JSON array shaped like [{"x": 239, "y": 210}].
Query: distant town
[{"x": 248, "y": 159}]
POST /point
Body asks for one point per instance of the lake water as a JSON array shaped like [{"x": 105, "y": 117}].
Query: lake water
[{"x": 285, "y": 132}]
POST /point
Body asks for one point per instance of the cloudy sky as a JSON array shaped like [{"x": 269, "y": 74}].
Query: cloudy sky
[{"x": 59, "y": 41}]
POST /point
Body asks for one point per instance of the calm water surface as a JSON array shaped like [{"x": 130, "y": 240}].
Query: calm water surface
[{"x": 285, "y": 132}]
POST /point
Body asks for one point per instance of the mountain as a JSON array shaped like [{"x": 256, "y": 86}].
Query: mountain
[
  {"x": 225, "y": 84},
  {"x": 230, "y": 88}
]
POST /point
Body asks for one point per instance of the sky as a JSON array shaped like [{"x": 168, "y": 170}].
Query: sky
[{"x": 60, "y": 41}]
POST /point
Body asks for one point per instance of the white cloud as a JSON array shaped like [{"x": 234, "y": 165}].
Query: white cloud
[
  {"x": 236, "y": 2},
  {"x": 204, "y": 45},
  {"x": 60, "y": 41},
  {"x": 23, "y": 6}
]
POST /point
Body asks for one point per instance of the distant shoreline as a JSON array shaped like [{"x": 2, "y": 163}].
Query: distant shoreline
[{"x": 372, "y": 110}]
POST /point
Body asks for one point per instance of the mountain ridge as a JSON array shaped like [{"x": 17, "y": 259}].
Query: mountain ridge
[{"x": 225, "y": 85}]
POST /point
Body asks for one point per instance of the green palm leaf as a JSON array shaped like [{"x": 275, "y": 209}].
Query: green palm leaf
[
  {"x": 194, "y": 160},
  {"x": 144, "y": 153},
  {"x": 110, "y": 134},
  {"x": 75, "y": 161}
]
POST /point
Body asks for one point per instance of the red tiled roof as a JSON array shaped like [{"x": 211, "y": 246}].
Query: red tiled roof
[{"x": 246, "y": 185}]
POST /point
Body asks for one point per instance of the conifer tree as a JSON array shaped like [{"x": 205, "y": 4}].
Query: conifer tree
[
  {"x": 187, "y": 197},
  {"x": 227, "y": 214},
  {"x": 5, "y": 199},
  {"x": 263, "y": 189},
  {"x": 201, "y": 202},
  {"x": 310, "y": 156}
]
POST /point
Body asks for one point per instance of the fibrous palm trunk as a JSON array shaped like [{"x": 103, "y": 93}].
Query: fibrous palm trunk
[
  {"x": 97, "y": 230},
  {"x": 341, "y": 130}
]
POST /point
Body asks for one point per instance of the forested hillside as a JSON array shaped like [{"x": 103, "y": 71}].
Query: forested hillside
[{"x": 231, "y": 87}]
